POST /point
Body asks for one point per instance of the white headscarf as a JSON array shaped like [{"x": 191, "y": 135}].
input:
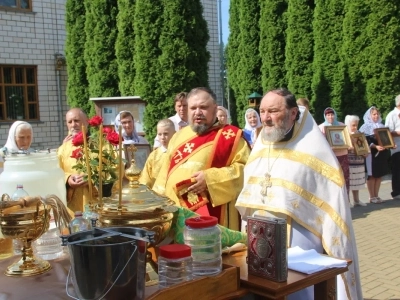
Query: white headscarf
[
  {"x": 127, "y": 139},
  {"x": 369, "y": 125},
  {"x": 11, "y": 145},
  {"x": 249, "y": 128}
]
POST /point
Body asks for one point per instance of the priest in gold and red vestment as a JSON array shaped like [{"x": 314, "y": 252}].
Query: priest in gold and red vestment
[{"x": 203, "y": 170}]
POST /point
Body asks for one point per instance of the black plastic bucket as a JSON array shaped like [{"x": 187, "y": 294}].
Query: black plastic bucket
[{"x": 108, "y": 263}]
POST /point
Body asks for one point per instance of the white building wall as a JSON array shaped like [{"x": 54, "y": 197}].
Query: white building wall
[{"x": 33, "y": 38}]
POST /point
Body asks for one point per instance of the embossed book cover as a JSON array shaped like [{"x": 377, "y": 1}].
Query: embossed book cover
[{"x": 267, "y": 249}]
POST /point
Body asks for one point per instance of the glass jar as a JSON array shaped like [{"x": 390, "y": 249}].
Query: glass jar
[
  {"x": 204, "y": 237},
  {"x": 174, "y": 265}
]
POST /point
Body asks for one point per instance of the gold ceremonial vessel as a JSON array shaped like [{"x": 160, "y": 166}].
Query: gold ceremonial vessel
[
  {"x": 136, "y": 205},
  {"x": 26, "y": 224}
]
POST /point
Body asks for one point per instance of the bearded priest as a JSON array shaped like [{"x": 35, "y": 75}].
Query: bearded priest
[
  {"x": 203, "y": 168},
  {"x": 292, "y": 173}
]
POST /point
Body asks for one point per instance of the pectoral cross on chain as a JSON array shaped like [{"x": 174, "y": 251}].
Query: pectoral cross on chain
[{"x": 265, "y": 184}]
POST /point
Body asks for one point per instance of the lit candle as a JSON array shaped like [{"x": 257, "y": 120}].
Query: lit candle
[
  {"x": 120, "y": 167},
  {"x": 85, "y": 151},
  {"x": 101, "y": 165}
]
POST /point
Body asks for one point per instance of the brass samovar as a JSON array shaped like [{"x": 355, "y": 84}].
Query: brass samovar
[{"x": 138, "y": 206}]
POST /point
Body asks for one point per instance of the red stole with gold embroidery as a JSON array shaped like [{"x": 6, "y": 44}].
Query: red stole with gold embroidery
[{"x": 224, "y": 141}]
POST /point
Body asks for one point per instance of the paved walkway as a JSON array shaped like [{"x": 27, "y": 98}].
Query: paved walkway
[{"x": 377, "y": 230}]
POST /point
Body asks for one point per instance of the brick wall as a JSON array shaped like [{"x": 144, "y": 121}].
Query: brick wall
[{"x": 34, "y": 38}]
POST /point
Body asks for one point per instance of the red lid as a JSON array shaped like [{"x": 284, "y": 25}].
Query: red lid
[
  {"x": 78, "y": 213},
  {"x": 201, "y": 221},
  {"x": 175, "y": 251}
]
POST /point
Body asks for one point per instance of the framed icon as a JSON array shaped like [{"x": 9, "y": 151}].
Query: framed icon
[
  {"x": 384, "y": 137},
  {"x": 338, "y": 137},
  {"x": 140, "y": 152},
  {"x": 360, "y": 143}
]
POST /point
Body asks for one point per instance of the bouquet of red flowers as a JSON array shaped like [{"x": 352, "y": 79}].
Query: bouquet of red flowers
[{"x": 101, "y": 144}]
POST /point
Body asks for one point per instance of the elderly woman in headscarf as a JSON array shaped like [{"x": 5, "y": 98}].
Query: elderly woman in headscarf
[
  {"x": 20, "y": 137},
  {"x": 377, "y": 160},
  {"x": 252, "y": 127},
  {"x": 129, "y": 133},
  {"x": 341, "y": 154}
]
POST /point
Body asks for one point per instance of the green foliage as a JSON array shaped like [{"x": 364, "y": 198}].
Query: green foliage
[
  {"x": 350, "y": 83},
  {"x": 248, "y": 74},
  {"x": 382, "y": 72},
  {"x": 183, "y": 58},
  {"x": 78, "y": 85},
  {"x": 125, "y": 46},
  {"x": 101, "y": 34},
  {"x": 299, "y": 47},
  {"x": 272, "y": 43},
  {"x": 232, "y": 55},
  {"x": 148, "y": 21},
  {"x": 328, "y": 29}
]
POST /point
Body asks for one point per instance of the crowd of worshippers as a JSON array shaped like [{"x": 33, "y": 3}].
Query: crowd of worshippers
[{"x": 278, "y": 165}]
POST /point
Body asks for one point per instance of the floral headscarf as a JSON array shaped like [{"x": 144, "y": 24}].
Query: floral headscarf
[
  {"x": 369, "y": 125},
  {"x": 127, "y": 139},
  {"x": 335, "y": 121},
  {"x": 11, "y": 145}
]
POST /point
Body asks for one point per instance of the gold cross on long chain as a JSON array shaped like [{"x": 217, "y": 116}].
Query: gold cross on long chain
[{"x": 265, "y": 184}]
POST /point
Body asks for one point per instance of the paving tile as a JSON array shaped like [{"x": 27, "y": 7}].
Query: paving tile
[{"x": 377, "y": 231}]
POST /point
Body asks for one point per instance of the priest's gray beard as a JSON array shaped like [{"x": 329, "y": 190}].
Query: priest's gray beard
[
  {"x": 273, "y": 132},
  {"x": 200, "y": 129}
]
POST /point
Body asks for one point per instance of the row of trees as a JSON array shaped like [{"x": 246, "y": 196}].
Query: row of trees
[
  {"x": 339, "y": 53},
  {"x": 151, "y": 48}
]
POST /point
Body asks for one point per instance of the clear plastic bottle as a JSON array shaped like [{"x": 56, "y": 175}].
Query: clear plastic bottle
[
  {"x": 48, "y": 246},
  {"x": 174, "y": 265},
  {"x": 204, "y": 237},
  {"x": 79, "y": 223},
  {"x": 18, "y": 193}
]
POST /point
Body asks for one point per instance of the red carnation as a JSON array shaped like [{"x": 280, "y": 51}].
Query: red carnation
[
  {"x": 95, "y": 121},
  {"x": 78, "y": 139},
  {"x": 77, "y": 153},
  {"x": 113, "y": 138},
  {"x": 107, "y": 130}
]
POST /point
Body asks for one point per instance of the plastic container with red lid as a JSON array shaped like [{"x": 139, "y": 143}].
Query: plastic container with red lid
[
  {"x": 174, "y": 265},
  {"x": 203, "y": 235}
]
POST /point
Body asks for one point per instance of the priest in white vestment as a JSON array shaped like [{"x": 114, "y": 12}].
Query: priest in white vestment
[{"x": 293, "y": 173}]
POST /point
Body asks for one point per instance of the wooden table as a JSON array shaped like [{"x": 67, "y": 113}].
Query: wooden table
[
  {"x": 324, "y": 281},
  {"x": 232, "y": 283}
]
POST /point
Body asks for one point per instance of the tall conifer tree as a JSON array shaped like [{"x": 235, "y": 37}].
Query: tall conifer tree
[
  {"x": 183, "y": 62},
  {"x": 382, "y": 72},
  {"x": 232, "y": 56},
  {"x": 148, "y": 21},
  {"x": 125, "y": 46},
  {"x": 299, "y": 47},
  {"x": 349, "y": 83},
  {"x": 78, "y": 85},
  {"x": 328, "y": 30},
  {"x": 272, "y": 43},
  {"x": 101, "y": 35},
  {"x": 249, "y": 74}
]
